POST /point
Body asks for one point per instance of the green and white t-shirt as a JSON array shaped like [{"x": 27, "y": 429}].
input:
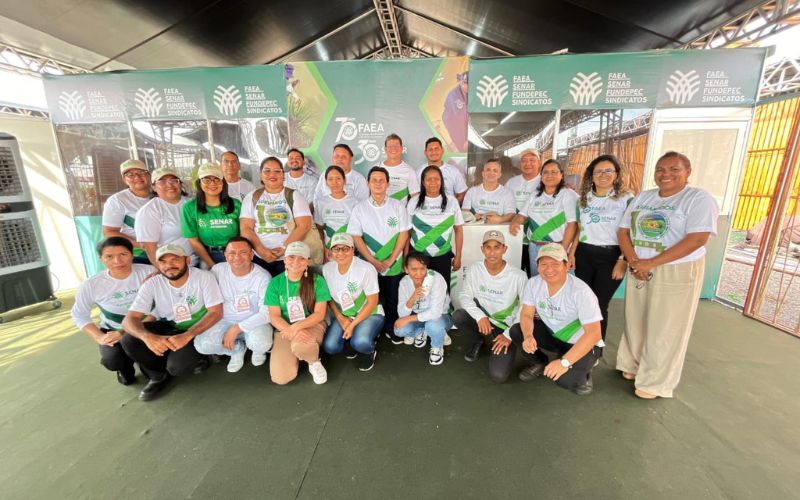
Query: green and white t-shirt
[
  {"x": 159, "y": 222},
  {"x": 658, "y": 223},
  {"x": 333, "y": 215},
  {"x": 280, "y": 290},
  {"x": 240, "y": 189},
  {"x": 522, "y": 189},
  {"x": 350, "y": 290},
  {"x": 601, "y": 217},
  {"x": 305, "y": 184},
  {"x": 272, "y": 215},
  {"x": 454, "y": 182},
  {"x": 380, "y": 227},
  {"x": 184, "y": 306},
  {"x": 496, "y": 297},
  {"x": 355, "y": 185},
  {"x": 120, "y": 211},
  {"x": 243, "y": 296},
  {"x": 499, "y": 201},
  {"x": 548, "y": 215},
  {"x": 565, "y": 312},
  {"x": 213, "y": 228},
  {"x": 431, "y": 228},
  {"x": 430, "y": 307},
  {"x": 112, "y": 296},
  {"x": 403, "y": 181}
]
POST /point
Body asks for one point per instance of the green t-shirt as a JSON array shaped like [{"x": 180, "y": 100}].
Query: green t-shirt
[
  {"x": 213, "y": 228},
  {"x": 277, "y": 293}
]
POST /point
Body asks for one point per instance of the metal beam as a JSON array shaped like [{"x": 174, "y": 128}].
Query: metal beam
[
  {"x": 389, "y": 27},
  {"x": 766, "y": 19},
  {"x": 781, "y": 77},
  {"x": 28, "y": 113},
  {"x": 24, "y": 61}
]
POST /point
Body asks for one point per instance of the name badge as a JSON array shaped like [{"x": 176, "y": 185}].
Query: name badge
[
  {"x": 295, "y": 308},
  {"x": 241, "y": 302},
  {"x": 346, "y": 300},
  {"x": 182, "y": 313}
]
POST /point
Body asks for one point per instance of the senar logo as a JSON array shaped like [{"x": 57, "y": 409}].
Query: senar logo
[
  {"x": 72, "y": 104},
  {"x": 228, "y": 100},
  {"x": 653, "y": 225},
  {"x": 492, "y": 91},
  {"x": 585, "y": 89},
  {"x": 148, "y": 102},
  {"x": 681, "y": 87}
]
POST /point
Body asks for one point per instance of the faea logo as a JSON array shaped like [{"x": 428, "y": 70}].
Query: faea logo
[
  {"x": 681, "y": 87},
  {"x": 482, "y": 288},
  {"x": 585, "y": 89},
  {"x": 228, "y": 100},
  {"x": 148, "y": 102},
  {"x": 191, "y": 300},
  {"x": 352, "y": 287},
  {"x": 653, "y": 225},
  {"x": 492, "y": 91},
  {"x": 368, "y": 134},
  {"x": 72, "y": 104},
  {"x": 393, "y": 222}
]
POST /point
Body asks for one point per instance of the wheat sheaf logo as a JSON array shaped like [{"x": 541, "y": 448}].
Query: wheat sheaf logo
[
  {"x": 72, "y": 104},
  {"x": 585, "y": 89},
  {"x": 148, "y": 102},
  {"x": 492, "y": 91},
  {"x": 681, "y": 87},
  {"x": 228, "y": 100}
]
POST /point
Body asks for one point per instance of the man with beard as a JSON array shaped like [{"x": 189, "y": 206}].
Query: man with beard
[
  {"x": 454, "y": 182},
  {"x": 186, "y": 302},
  {"x": 299, "y": 178}
]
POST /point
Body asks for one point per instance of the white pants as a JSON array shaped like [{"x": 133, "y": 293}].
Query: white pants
[{"x": 258, "y": 340}]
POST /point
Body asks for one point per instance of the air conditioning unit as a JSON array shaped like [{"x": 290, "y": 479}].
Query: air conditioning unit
[{"x": 24, "y": 272}]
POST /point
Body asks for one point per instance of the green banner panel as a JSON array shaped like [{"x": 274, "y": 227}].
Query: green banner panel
[{"x": 94, "y": 98}]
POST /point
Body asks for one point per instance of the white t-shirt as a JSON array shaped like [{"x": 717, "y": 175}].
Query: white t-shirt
[
  {"x": 243, "y": 296},
  {"x": 350, "y": 290},
  {"x": 454, "y": 182},
  {"x": 600, "y": 219},
  {"x": 333, "y": 215},
  {"x": 380, "y": 226},
  {"x": 522, "y": 189},
  {"x": 240, "y": 189},
  {"x": 272, "y": 215},
  {"x": 565, "y": 313},
  {"x": 497, "y": 296},
  {"x": 403, "y": 181},
  {"x": 184, "y": 306},
  {"x": 548, "y": 215},
  {"x": 355, "y": 185},
  {"x": 159, "y": 222},
  {"x": 431, "y": 306},
  {"x": 431, "y": 229},
  {"x": 305, "y": 184},
  {"x": 658, "y": 223},
  {"x": 120, "y": 211},
  {"x": 479, "y": 201},
  {"x": 112, "y": 296}
]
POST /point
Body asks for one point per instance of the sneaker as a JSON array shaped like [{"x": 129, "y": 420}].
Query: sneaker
[
  {"x": 237, "y": 361},
  {"x": 447, "y": 339},
  {"x": 420, "y": 340},
  {"x": 408, "y": 340},
  {"x": 585, "y": 388},
  {"x": 258, "y": 358},
  {"x": 318, "y": 372},
  {"x": 349, "y": 352},
  {"x": 126, "y": 377},
  {"x": 366, "y": 361},
  {"x": 393, "y": 338},
  {"x": 474, "y": 352},
  {"x": 436, "y": 356},
  {"x": 531, "y": 372}
]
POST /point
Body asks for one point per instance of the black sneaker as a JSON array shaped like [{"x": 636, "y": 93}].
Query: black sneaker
[
  {"x": 393, "y": 338},
  {"x": 126, "y": 377},
  {"x": 474, "y": 352},
  {"x": 349, "y": 352},
  {"x": 202, "y": 365},
  {"x": 531, "y": 372},
  {"x": 585, "y": 388},
  {"x": 153, "y": 388},
  {"x": 366, "y": 361}
]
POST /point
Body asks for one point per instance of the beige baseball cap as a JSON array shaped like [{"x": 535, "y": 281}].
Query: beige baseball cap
[
  {"x": 494, "y": 234},
  {"x": 342, "y": 239},
  {"x": 163, "y": 172},
  {"x": 209, "y": 170},
  {"x": 530, "y": 151},
  {"x": 552, "y": 250},
  {"x": 298, "y": 248},
  {"x": 170, "y": 248},
  {"x": 131, "y": 165}
]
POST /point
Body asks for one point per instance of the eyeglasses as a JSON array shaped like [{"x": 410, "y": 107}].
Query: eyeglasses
[
  {"x": 599, "y": 173},
  {"x": 211, "y": 180},
  {"x": 272, "y": 171},
  {"x": 135, "y": 175},
  {"x": 164, "y": 182},
  {"x": 341, "y": 249}
]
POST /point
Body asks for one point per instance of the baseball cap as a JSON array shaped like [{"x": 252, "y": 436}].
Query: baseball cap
[
  {"x": 342, "y": 239},
  {"x": 552, "y": 250},
  {"x": 163, "y": 172},
  {"x": 530, "y": 151},
  {"x": 209, "y": 170},
  {"x": 170, "y": 248},
  {"x": 132, "y": 165},
  {"x": 494, "y": 234},
  {"x": 298, "y": 248}
]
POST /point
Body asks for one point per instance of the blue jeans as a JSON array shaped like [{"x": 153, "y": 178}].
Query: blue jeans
[
  {"x": 533, "y": 252},
  {"x": 435, "y": 329},
  {"x": 362, "y": 340}
]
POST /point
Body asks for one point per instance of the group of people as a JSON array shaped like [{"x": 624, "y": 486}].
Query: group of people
[{"x": 235, "y": 268}]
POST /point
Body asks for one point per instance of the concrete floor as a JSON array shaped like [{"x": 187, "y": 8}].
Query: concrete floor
[{"x": 403, "y": 430}]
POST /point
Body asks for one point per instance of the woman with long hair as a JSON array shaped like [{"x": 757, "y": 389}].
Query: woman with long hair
[{"x": 332, "y": 209}]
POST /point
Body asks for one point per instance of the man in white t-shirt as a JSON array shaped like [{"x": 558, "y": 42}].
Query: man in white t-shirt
[
  {"x": 300, "y": 178},
  {"x": 454, "y": 182},
  {"x": 245, "y": 318},
  {"x": 186, "y": 301},
  {"x": 567, "y": 327},
  {"x": 523, "y": 186},
  {"x": 119, "y": 210},
  {"x": 403, "y": 179},
  {"x": 355, "y": 184},
  {"x": 238, "y": 187}
]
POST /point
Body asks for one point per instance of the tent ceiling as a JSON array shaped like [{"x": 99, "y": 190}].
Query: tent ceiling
[{"x": 157, "y": 34}]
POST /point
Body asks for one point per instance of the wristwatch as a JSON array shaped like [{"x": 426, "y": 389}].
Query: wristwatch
[{"x": 565, "y": 363}]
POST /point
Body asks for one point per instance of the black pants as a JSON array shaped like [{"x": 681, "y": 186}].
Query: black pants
[
  {"x": 593, "y": 265},
  {"x": 581, "y": 369},
  {"x": 176, "y": 363},
  {"x": 217, "y": 254},
  {"x": 525, "y": 265},
  {"x": 389, "y": 286},
  {"x": 114, "y": 358},
  {"x": 442, "y": 265},
  {"x": 141, "y": 259},
  {"x": 274, "y": 268}
]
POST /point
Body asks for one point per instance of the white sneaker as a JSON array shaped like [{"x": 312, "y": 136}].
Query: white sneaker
[
  {"x": 258, "y": 358},
  {"x": 408, "y": 340},
  {"x": 420, "y": 340},
  {"x": 318, "y": 372},
  {"x": 436, "y": 356},
  {"x": 447, "y": 339},
  {"x": 237, "y": 361}
]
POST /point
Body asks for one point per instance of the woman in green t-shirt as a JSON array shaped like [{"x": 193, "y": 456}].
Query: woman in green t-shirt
[
  {"x": 212, "y": 218},
  {"x": 297, "y": 299}
]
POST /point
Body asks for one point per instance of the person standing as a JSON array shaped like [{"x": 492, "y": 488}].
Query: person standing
[
  {"x": 355, "y": 184},
  {"x": 301, "y": 180},
  {"x": 490, "y": 201},
  {"x": 523, "y": 186},
  {"x": 238, "y": 187},
  {"x": 663, "y": 234},
  {"x": 119, "y": 211},
  {"x": 332, "y": 212},
  {"x": 403, "y": 181},
  {"x": 454, "y": 182}
]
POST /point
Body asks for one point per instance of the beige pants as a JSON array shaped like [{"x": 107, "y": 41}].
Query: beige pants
[
  {"x": 658, "y": 322},
  {"x": 287, "y": 354}
]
